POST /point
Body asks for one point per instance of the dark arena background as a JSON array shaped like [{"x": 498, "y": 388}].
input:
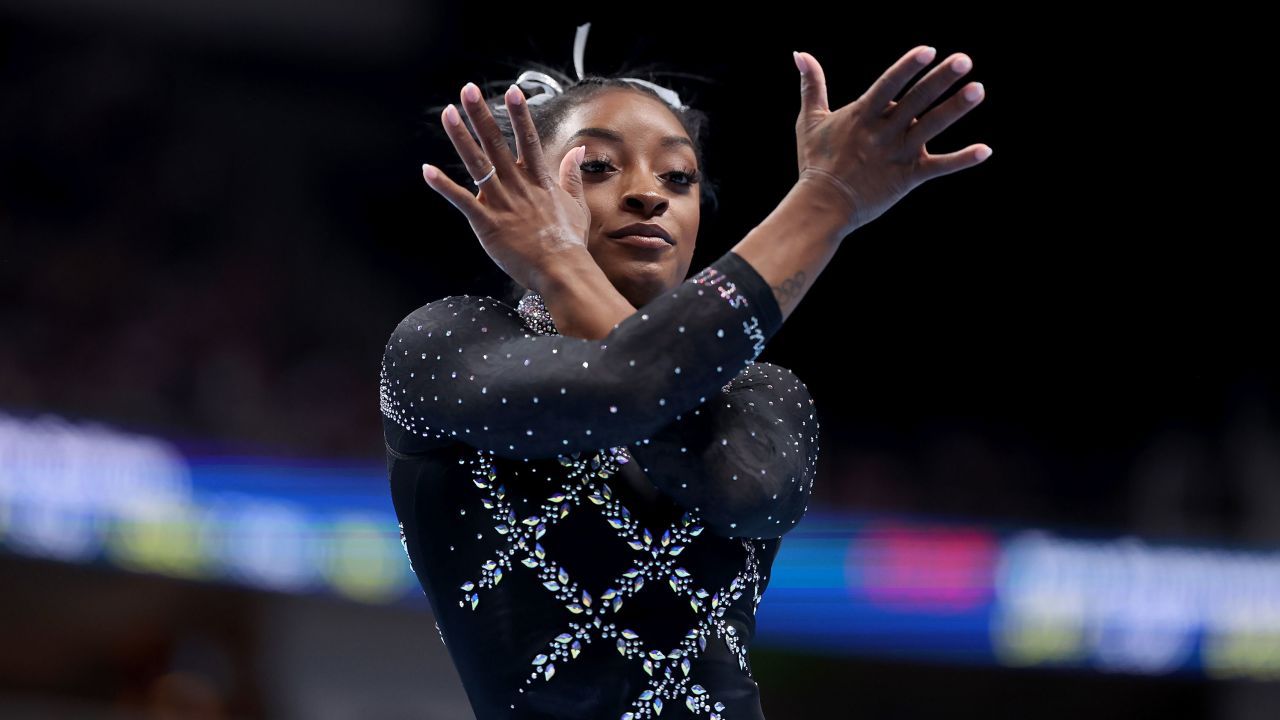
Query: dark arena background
[{"x": 1049, "y": 480}]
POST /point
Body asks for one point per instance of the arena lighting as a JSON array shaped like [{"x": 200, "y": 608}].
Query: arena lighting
[
  {"x": 1127, "y": 606},
  {"x": 932, "y": 590},
  {"x": 852, "y": 584},
  {"x": 88, "y": 493}
]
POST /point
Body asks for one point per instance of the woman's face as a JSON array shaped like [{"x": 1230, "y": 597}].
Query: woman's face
[{"x": 639, "y": 168}]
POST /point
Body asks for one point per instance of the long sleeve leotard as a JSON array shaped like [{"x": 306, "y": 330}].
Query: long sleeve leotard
[{"x": 593, "y": 521}]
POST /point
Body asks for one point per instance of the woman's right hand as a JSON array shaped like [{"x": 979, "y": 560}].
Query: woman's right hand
[
  {"x": 526, "y": 219},
  {"x": 872, "y": 150}
]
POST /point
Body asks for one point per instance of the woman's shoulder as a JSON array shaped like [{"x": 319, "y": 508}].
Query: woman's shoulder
[
  {"x": 465, "y": 301},
  {"x": 766, "y": 376},
  {"x": 462, "y": 311},
  {"x": 766, "y": 372}
]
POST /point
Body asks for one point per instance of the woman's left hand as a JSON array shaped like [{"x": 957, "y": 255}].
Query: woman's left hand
[{"x": 527, "y": 220}]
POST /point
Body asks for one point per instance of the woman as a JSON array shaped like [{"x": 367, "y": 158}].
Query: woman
[{"x": 592, "y": 486}]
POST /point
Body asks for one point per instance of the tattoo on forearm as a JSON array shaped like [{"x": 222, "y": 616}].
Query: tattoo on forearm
[{"x": 790, "y": 288}]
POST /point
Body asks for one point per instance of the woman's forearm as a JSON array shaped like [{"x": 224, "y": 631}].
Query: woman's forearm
[
  {"x": 789, "y": 249},
  {"x": 792, "y": 246}
]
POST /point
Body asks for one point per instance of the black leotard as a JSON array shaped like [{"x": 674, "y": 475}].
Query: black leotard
[{"x": 594, "y": 521}]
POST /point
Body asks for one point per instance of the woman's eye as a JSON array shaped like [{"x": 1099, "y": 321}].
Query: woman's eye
[{"x": 679, "y": 177}]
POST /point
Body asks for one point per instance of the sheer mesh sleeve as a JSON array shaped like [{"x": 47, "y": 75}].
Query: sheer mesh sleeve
[
  {"x": 746, "y": 459},
  {"x": 464, "y": 369}
]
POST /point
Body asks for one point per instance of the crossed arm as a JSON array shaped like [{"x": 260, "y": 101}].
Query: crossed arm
[
  {"x": 462, "y": 369},
  {"x": 745, "y": 459}
]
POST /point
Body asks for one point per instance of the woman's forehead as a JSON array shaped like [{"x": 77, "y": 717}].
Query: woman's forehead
[{"x": 625, "y": 116}]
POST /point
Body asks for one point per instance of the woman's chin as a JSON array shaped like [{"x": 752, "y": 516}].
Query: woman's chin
[
  {"x": 637, "y": 272},
  {"x": 641, "y": 281}
]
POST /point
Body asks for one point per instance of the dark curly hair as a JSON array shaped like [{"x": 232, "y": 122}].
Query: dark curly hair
[{"x": 548, "y": 115}]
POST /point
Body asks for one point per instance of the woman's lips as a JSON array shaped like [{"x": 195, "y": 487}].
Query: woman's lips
[{"x": 644, "y": 241}]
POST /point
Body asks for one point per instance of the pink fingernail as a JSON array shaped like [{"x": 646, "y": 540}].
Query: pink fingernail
[
  {"x": 801, "y": 65},
  {"x": 429, "y": 171},
  {"x": 451, "y": 114},
  {"x": 515, "y": 95}
]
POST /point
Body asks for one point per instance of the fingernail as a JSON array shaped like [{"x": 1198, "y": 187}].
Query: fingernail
[
  {"x": 515, "y": 95},
  {"x": 451, "y": 115},
  {"x": 471, "y": 92},
  {"x": 983, "y": 153},
  {"x": 962, "y": 64},
  {"x": 429, "y": 171},
  {"x": 973, "y": 92},
  {"x": 801, "y": 65},
  {"x": 925, "y": 57}
]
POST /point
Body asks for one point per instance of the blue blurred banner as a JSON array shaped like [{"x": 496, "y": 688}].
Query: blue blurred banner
[
  {"x": 882, "y": 586},
  {"x": 928, "y": 590}
]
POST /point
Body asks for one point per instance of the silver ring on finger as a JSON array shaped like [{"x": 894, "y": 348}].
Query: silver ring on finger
[{"x": 492, "y": 170}]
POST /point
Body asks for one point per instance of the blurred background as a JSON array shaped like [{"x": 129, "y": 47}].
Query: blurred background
[{"x": 1049, "y": 481}]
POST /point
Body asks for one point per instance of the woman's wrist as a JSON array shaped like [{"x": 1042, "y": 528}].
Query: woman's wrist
[
  {"x": 834, "y": 194},
  {"x": 582, "y": 301}
]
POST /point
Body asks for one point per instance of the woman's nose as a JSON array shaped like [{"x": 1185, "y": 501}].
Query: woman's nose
[{"x": 649, "y": 201}]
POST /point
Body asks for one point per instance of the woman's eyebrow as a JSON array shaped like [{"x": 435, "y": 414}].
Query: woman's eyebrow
[{"x": 604, "y": 134}]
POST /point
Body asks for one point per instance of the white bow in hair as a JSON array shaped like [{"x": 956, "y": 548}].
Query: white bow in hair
[{"x": 551, "y": 88}]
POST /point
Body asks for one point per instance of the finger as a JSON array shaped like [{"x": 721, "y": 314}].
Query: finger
[
  {"x": 571, "y": 171},
  {"x": 893, "y": 106},
  {"x": 528, "y": 144},
  {"x": 930, "y": 88},
  {"x": 491, "y": 139},
  {"x": 813, "y": 84},
  {"x": 468, "y": 149},
  {"x": 896, "y": 77},
  {"x": 454, "y": 193},
  {"x": 941, "y": 117},
  {"x": 939, "y": 165}
]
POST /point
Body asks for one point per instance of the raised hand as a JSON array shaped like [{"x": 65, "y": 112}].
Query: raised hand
[
  {"x": 873, "y": 149},
  {"x": 525, "y": 219}
]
